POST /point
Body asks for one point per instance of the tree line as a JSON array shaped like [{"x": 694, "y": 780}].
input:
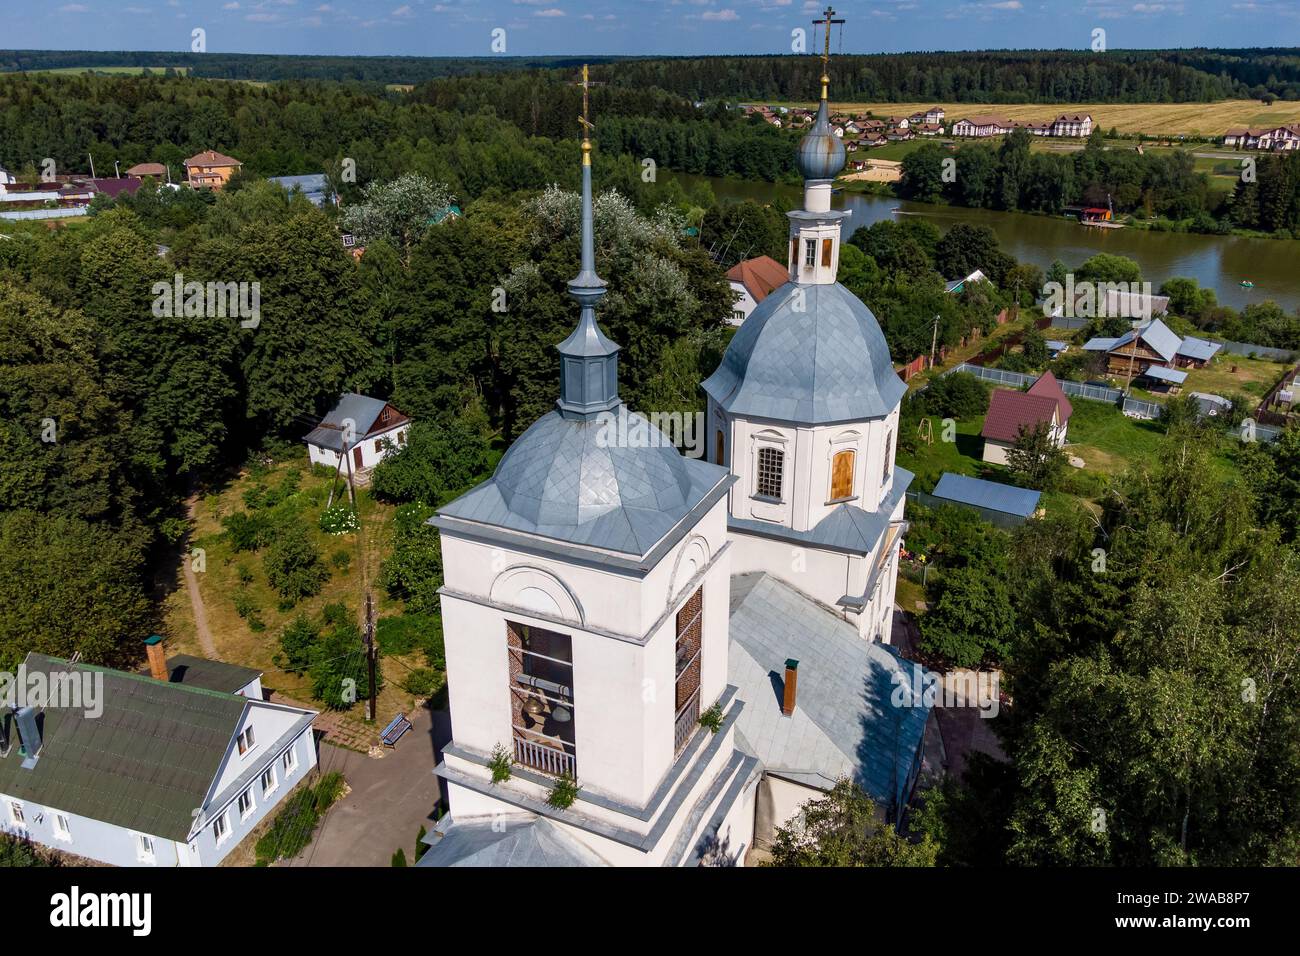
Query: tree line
[{"x": 1003, "y": 76}]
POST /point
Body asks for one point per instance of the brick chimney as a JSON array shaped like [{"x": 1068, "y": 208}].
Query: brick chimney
[
  {"x": 157, "y": 657},
  {"x": 791, "y": 686}
]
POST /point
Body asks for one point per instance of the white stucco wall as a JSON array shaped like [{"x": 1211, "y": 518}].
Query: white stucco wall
[
  {"x": 373, "y": 450},
  {"x": 623, "y": 630}
]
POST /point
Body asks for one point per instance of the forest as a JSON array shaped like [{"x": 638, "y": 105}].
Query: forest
[{"x": 1002, "y": 76}]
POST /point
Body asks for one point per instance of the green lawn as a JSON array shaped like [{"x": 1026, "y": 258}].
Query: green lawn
[
  {"x": 961, "y": 456},
  {"x": 1106, "y": 439}
]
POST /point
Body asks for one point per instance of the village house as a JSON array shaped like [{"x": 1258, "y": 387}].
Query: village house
[
  {"x": 981, "y": 124},
  {"x": 934, "y": 115},
  {"x": 592, "y": 566},
  {"x": 1265, "y": 137},
  {"x": 927, "y": 129},
  {"x": 210, "y": 170},
  {"x": 1044, "y": 403},
  {"x": 157, "y": 170},
  {"x": 1072, "y": 124},
  {"x": 177, "y": 767},
  {"x": 1153, "y": 346},
  {"x": 357, "y": 434},
  {"x": 753, "y": 280}
]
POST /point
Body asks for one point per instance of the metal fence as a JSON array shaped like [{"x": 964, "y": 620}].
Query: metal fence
[
  {"x": 1259, "y": 351},
  {"x": 1097, "y": 393},
  {"x": 61, "y": 213}
]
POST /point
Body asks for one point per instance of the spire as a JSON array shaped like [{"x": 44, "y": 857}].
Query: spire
[
  {"x": 821, "y": 153},
  {"x": 588, "y": 359}
]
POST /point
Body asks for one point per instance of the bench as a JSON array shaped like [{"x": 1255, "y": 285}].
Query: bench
[{"x": 393, "y": 732}]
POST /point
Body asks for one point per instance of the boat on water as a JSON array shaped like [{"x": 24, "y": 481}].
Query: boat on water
[{"x": 1246, "y": 284}]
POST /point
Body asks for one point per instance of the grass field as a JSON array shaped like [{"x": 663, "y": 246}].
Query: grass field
[
  {"x": 115, "y": 70},
  {"x": 220, "y": 582},
  {"x": 1252, "y": 376},
  {"x": 1155, "y": 119}
]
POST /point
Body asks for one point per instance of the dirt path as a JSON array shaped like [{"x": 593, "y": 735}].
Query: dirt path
[{"x": 196, "y": 596}]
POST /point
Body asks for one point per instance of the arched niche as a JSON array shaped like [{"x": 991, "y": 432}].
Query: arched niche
[{"x": 535, "y": 589}]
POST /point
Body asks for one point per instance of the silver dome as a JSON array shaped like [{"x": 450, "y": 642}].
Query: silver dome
[
  {"x": 826, "y": 362},
  {"x": 821, "y": 153},
  {"x": 565, "y": 478}
]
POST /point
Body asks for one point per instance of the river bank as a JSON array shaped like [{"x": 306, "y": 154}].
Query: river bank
[{"x": 1217, "y": 262}]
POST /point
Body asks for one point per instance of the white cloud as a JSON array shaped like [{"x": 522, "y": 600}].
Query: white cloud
[
  {"x": 403, "y": 11},
  {"x": 720, "y": 16},
  {"x": 1004, "y": 5},
  {"x": 549, "y": 12},
  {"x": 74, "y": 8},
  {"x": 233, "y": 5}
]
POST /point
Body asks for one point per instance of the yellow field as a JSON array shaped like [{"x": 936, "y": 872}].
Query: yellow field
[{"x": 1155, "y": 119}]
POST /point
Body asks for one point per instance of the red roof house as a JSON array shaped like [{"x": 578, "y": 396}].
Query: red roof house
[
  {"x": 1009, "y": 412},
  {"x": 754, "y": 279}
]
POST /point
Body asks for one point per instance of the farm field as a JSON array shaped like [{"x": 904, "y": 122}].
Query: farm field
[
  {"x": 1155, "y": 119},
  {"x": 116, "y": 70}
]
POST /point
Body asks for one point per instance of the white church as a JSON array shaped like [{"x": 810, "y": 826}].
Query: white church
[{"x": 700, "y": 647}]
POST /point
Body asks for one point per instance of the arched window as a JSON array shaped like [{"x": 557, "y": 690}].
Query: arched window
[
  {"x": 771, "y": 466},
  {"x": 842, "y": 474},
  {"x": 889, "y": 457},
  {"x": 719, "y": 446}
]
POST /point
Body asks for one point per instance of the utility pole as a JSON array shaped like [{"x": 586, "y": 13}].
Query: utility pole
[
  {"x": 934, "y": 339},
  {"x": 370, "y": 652},
  {"x": 92, "y": 165}
]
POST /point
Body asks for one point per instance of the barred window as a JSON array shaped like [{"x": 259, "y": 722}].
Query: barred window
[
  {"x": 810, "y": 253},
  {"x": 771, "y": 462}
]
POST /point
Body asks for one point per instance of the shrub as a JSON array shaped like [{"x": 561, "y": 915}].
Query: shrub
[
  {"x": 248, "y": 532},
  {"x": 339, "y": 519},
  {"x": 245, "y": 574},
  {"x": 564, "y": 792},
  {"x": 341, "y": 559},
  {"x": 338, "y": 667},
  {"x": 297, "y": 641},
  {"x": 422, "y": 682},
  {"x": 712, "y": 718},
  {"x": 294, "y": 567},
  {"x": 959, "y": 395},
  {"x": 295, "y": 824},
  {"x": 399, "y": 857},
  {"x": 501, "y": 763}
]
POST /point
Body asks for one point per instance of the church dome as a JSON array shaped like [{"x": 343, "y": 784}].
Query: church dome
[
  {"x": 823, "y": 359},
  {"x": 821, "y": 152},
  {"x": 614, "y": 482}
]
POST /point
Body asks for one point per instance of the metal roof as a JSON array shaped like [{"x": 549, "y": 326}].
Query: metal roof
[
  {"x": 315, "y": 186},
  {"x": 362, "y": 410},
  {"x": 511, "y": 841},
  {"x": 580, "y": 481},
  {"x": 821, "y": 153},
  {"x": 1202, "y": 350},
  {"x": 1155, "y": 334},
  {"x": 845, "y": 722},
  {"x": 992, "y": 495},
  {"x": 146, "y": 763},
  {"x": 1010, "y": 411},
  {"x": 1162, "y": 374},
  {"x": 810, "y": 354},
  {"x": 846, "y": 528},
  {"x": 1099, "y": 344}
]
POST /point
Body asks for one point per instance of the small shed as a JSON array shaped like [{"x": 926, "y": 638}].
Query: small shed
[{"x": 991, "y": 498}]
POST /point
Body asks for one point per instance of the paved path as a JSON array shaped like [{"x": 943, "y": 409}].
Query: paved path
[
  {"x": 391, "y": 798},
  {"x": 196, "y": 597}
]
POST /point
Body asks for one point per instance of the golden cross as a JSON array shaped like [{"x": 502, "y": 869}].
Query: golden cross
[
  {"x": 829, "y": 14},
  {"x": 586, "y": 85}
]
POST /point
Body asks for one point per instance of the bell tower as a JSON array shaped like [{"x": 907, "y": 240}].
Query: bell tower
[{"x": 814, "y": 255}]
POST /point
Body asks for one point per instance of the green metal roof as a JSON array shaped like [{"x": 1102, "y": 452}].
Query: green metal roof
[{"x": 146, "y": 763}]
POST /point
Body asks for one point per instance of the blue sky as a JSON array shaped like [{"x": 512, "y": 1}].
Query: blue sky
[{"x": 533, "y": 27}]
